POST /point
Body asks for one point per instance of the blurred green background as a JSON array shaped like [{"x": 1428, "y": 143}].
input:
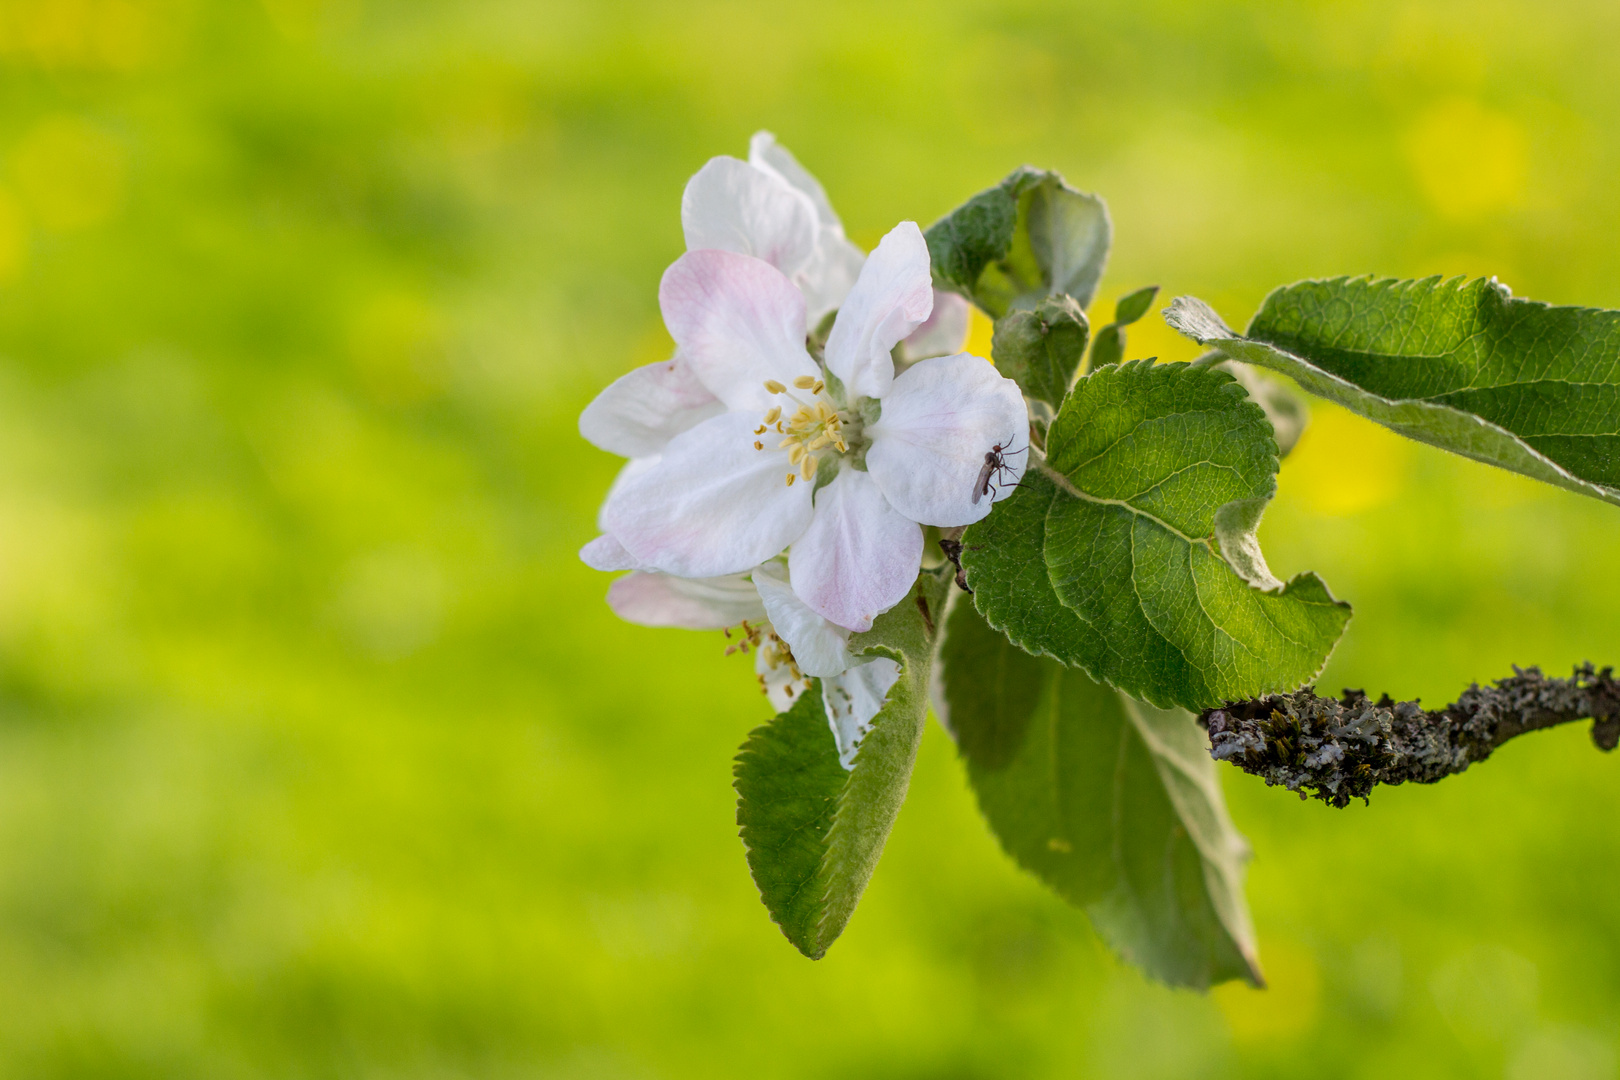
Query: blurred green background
[{"x": 320, "y": 755}]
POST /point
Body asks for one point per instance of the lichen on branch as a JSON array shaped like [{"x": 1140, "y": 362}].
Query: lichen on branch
[{"x": 1339, "y": 749}]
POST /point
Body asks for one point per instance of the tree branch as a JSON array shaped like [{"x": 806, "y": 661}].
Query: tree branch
[{"x": 1338, "y": 750}]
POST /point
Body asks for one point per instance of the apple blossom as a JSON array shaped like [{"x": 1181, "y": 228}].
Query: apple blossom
[{"x": 840, "y": 461}]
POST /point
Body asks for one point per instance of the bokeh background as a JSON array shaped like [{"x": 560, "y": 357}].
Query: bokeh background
[{"x": 320, "y": 755}]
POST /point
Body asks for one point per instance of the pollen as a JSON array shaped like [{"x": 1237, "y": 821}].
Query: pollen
[
  {"x": 791, "y": 477},
  {"x": 805, "y": 382},
  {"x": 771, "y": 417},
  {"x": 774, "y": 387},
  {"x": 758, "y": 445}
]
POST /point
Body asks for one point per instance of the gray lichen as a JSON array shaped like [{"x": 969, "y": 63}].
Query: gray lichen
[{"x": 1340, "y": 749}]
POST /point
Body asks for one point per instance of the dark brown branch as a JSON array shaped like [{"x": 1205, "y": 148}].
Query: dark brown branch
[{"x": 1338, "y": 750}]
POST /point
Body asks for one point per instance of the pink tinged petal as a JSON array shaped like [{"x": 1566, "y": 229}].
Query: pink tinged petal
[
  {"x": 641, "y": 411},
  {"x": 712, "y": 504},
  {"x": 738, "y": 321},
  {"x": 938, "y": 422},
  {"x": 893, "y": 296},
  {"x": 765, "y": 153},
  {"x": 650, "y": 599},
  {"x": 606, "y": 553},
  {"x": 853, "y": 699},
  {"x": 732, "y": 206},
  {"x": 859, "y": 557},
  {"x": 943, "y": 333},
  {"x": 818, "y": 645}
]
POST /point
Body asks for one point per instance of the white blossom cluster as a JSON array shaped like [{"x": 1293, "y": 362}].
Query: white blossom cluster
[{"x": 780, "y": 492}]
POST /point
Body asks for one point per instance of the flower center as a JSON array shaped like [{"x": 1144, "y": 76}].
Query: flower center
[{"x": 812, "y": 431}]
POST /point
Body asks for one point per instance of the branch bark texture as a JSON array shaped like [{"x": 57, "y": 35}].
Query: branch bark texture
[{"x": 1339, "y": 749}]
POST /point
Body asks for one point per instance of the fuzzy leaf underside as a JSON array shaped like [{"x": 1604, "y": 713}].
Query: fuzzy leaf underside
[
  {"x": 1114, "y": 804},
  {"x": 812, "y": 831},
  {"x": 1131, "y": 555},
  {"x": 1029, "y": 237},
  {"x": 1040, "y": 349},
  {"x": 1461, "y": 365}
]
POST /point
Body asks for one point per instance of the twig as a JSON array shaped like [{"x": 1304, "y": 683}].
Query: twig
[{"x": 1338, "y": 750}]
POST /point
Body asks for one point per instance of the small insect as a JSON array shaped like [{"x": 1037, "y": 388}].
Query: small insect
[{"x": 995, "y": 465}]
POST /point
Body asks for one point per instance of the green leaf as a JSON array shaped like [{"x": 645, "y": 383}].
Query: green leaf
[
  {"x": 1130, "y": 552},
  {"x": 1284, "y": 408},
  {"x": 1040, "y": 349},
  {"x": 1028, "y": 237},
  {"x": 1462, "y": 365},
  {"x": 812, "y": 831},
  {"x": 1108, "y": 347},
  {"x": 1133, "y": 306},
  {"x": 1112, "y": 803}
]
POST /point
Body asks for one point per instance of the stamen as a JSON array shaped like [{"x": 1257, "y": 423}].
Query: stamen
[
  {"x": 758, "y": 445},
  {"x": 792, "y": 477},
  {"x": 804, "y": 382},
  {"x": 808, "y": 469},
  {"x": 773, "y": 416},
  {"x": 760, "y": 430},
  {"x": 789, "y": 441},
  {"x": 819, "y": 387},
  {"x": 773, "y": 386},
  {"x": 797, "y": 454}
]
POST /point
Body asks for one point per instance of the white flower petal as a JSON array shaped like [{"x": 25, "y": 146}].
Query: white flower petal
[
  {"x": 712, "y": 504},
  {"x": 606, "y": 553},
  {"x": 943, "y": 333},
  {"x": 633, "y": 467},
  {"x": 782, "y": 686},
  {"x": 893, "y": 296},
  {"x": 853, "y": 699},
  {"x": 938, "y": 422},
  {"x": 732, "y": 206},
  {"x": 652, "y": 599},
  {"x": 738, "y": 321},
  {"x": 859, "y": 557},
  {"x": 641, "y": 411},
  {"x": 818, "y": 645},
  {"x": 766, "y": 154},
  {"x": 829, "y": 275}
]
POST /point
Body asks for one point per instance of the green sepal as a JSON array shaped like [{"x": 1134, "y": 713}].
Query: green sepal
[{"x": 1113, "y": 804}]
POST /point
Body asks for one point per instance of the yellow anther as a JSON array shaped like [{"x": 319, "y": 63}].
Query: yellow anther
[
  {"x": 821, "y": 440},
  {"x": 789, "y": 441},
  {"x": 819, "y": 387},
  {"x": 808, "y": 469},
  {"x": 760, "y": 430},
  {"x": 792, "y": 477},
  {"x": 779, "y": 427},
  {"x": 804, "y": 382},
  {"x": 773, "y": 416},
  {"x": 797, "y": 454},
  {"x": 842, "y": 448},
  {"x": 758, "y": 445},
  {"x": 773, "y": 386}
]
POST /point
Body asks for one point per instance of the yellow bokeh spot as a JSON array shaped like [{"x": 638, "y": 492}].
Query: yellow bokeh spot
[
  {"x": 13, "y": 238},
  {"x": 1467, "y": 159},
  {"x": 397, "y": 342},
  {"x": 71, "y": 173},
  {"x": 980, "y": 330},
  {"x": 1289, "y": 1005},
  {"x": 1344, "y": 464},
  {"x": 93, "y": 34}
]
